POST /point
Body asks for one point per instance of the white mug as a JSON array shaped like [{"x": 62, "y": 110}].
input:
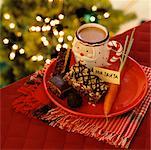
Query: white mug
[{"x": 92, "y": 47}]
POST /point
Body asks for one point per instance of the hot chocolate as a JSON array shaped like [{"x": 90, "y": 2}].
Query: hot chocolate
[{"x": 92, "y": 34}]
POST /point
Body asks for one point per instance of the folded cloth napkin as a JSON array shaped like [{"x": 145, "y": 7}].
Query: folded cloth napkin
[{"x": 118, "y": 131}]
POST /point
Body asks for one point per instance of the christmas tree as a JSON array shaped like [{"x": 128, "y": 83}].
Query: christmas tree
[{"x": 33, "y": 31}]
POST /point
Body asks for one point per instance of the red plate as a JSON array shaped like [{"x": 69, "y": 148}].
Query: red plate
[{"x": 131, "y": 92}]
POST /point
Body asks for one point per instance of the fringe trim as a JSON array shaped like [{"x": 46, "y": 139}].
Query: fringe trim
[
  {"x": 56, "y": 117},
  {"x": 27, "y": 103}
]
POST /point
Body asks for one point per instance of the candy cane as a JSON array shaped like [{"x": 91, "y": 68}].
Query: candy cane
[{"x": 117, "y": 48}]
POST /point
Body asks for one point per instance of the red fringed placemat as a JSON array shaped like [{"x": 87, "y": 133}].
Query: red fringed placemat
[{"x": 117, "y": 131}]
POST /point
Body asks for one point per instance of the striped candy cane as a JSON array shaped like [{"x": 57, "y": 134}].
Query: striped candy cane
[{"x": 117, "y": 48}]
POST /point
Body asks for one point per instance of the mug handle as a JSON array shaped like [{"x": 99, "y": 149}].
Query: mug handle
[{"x": 116, "y": 49}]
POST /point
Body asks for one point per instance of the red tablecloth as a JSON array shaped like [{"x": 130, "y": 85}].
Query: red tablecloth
[{"x": 20, "y": 132}]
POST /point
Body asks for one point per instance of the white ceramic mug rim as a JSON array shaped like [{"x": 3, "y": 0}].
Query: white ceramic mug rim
[{"x": 93, "y": 25}]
